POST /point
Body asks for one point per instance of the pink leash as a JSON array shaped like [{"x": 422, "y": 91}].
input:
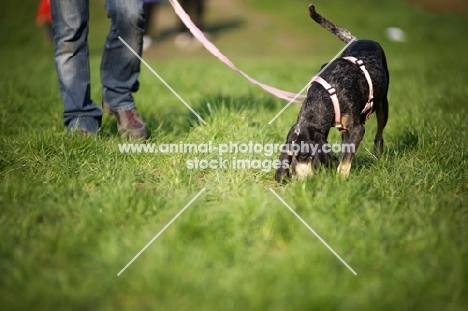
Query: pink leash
[{"x": 197, "y": 33}]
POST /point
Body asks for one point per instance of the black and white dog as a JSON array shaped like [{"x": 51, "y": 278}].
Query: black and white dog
[{"x": 344, "y": 95}]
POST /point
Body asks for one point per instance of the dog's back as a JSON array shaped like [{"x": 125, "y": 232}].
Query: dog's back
[{"x": 373, "y": 56}]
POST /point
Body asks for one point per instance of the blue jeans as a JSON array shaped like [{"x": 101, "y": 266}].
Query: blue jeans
[{"x": 119, "y": 66}]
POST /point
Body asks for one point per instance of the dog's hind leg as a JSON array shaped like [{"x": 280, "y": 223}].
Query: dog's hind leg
[
  {"x": 382, "y": 117},
  {"x": 349, "y": 146}
]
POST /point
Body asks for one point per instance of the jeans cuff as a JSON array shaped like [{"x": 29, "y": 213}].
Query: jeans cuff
[
  {"x": 122, "y": 107},
  {"x": 88, "y": 124}
]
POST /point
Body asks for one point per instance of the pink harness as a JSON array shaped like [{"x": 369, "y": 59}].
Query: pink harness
[{"x": 332, "y": 92}]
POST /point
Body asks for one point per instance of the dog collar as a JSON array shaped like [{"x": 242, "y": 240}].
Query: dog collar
[{"x": 368, "y": 108}]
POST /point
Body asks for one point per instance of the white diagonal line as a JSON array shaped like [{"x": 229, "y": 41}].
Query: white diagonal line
[
  {"x": 162, "y": 80},
  {"x": 305, "y": 87},
  {"x": 162, "y": 230},
  {"x": 312, "y": 230}
]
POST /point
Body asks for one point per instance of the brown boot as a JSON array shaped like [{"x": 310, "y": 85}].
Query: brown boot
[{"x": 129, "y": 123}]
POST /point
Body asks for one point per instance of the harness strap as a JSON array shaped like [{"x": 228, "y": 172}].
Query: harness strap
[
  {"x": 368, "y": 108},
  {"x": 336, "y": 106},
  {"x": 331, "y": 90}
]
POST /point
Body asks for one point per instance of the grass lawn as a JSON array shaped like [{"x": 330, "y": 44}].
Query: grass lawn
[{"x": 74, "y": 210}]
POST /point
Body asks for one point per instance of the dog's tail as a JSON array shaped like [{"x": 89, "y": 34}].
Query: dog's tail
[{"x": 342, "y": 34}]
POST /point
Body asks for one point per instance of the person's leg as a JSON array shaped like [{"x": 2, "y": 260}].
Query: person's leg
[
  {"x": 120, "y": 67},
  {"x": 186, "y": 5},
  {"x": 150, "y": 7},
  {"x": 70, "y": 25},
  {"x": 200, "y": 14}
]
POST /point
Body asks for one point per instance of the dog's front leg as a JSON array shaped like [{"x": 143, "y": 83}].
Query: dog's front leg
[{"x": 349, "y": 146}]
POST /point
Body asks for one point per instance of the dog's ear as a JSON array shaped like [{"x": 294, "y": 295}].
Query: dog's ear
[
  {"x": 283, "y": 170},
  {"x": 293, "y": 134},
  {"x": 291, "y": 141},
  {"x": 320, "y": 157},
  {"x": 317, "y": 136}
]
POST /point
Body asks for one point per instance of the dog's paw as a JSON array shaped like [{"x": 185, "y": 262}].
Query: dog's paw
[{"x": 344, "y": 168}]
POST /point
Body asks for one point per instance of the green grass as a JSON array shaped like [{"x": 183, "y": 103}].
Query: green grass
[{"x": 74, "y": 211}]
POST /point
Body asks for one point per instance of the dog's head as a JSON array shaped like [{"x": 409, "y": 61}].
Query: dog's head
[{"x": 303, "y": 153}]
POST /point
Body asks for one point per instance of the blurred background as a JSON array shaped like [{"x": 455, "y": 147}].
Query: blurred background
[
  {"x": 73, "y": 210},
  {"x": 261, "y": 28}
]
